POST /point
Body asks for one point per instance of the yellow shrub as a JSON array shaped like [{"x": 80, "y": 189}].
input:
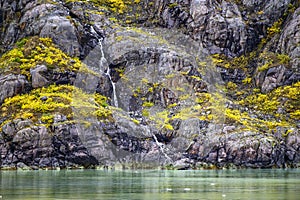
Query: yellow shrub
[
  {"x": 231, "y": 86},
  {"x": 275, "y": 28},
  {"x": 36, "y": 51},
  {"x": 148, "y": 104},
  {"x": 43, "y": 103}
]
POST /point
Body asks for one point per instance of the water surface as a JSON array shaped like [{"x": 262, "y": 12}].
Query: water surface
[{"x": 152, "y": 185}]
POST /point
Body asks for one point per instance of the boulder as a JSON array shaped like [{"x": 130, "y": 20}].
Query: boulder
[
  {"x": 11, "y": 85},
  {"x": 37, "y": 77}
]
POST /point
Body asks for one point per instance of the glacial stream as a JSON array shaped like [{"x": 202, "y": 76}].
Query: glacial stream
[{"x": 155, "y": 184}]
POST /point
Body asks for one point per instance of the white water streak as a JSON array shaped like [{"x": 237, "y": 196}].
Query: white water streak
[
  {"x": 103, "y": 61},
  {"x": 161, "y": 148}
]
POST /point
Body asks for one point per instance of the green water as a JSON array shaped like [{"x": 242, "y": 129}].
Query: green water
[{"x": 99, "y": 184}]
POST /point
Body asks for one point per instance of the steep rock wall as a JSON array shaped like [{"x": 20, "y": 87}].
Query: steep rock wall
[{"x": 198, "y": 84}]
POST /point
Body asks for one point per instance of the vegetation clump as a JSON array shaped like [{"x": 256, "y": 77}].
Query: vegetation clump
[
  {"x": 116, "y": 6},
  {"x": 285, "y": 98},
  {"x": 275, "y": 28},
  {"x": 265, "y": 112},
  {"x": 240, "y": 62},
  {"x": 272, "y": 60},
  {"x": 28, "y": 53},
  {"x": 40, "y": 105}
]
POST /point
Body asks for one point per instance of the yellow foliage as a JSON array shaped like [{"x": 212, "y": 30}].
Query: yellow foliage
[
  {"x": 262, "y": 102},
  {"x": 269, "y": 104},
  {"x": 136, "y": 121},
  {"x": 27, "y": 115},
  {"x": 261, "y": 12},
  {"x": 234, "y": 63},
  {"x": 203, "y": 97},
  {"x": 172, "y": 105},
  {"x": 148, "y": 104},
  {"x": 254, "y": 124},
  {"x": 47, "y": 119},
  {"x": 275, "y": 28},
  {"x": 247, "y": 80},
  {"x": 233, "y": 115},
  {"x": 150, "y": 89},
  {"x": 29, "y": 53},
  {"x": 145, "y": 113},
  {"x": 117, "y": 6},
  {"x": 170, "y": 75},
  {"x": 231, "y": 86},
  {"x": 184, "y": 97},
  {"x": 145, "y": 81},
  {"x": 169, "y": 127},
  {"x": 162, "y": 119},
  {"x": 272, "y": 60},
  {"x": 43, "y": 103}
]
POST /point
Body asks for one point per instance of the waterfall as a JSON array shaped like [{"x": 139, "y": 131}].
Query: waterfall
[
  {"x": 103, "y": 62},
  {"x": 161, "y": 147},
  {"x": 115, "y": 100}
]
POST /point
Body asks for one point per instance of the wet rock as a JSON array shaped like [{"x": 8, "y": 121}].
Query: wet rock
[
  {"x": 59, "y": 118},
  {"x": 260, "y": 15},
  {"x": 247, "y": 150},
  {"x": 189, "y": 129},
  {"x": 286, "y": 44},
  {"x": 8, "y": 131},
  {"x": 228, "y": 129},
  {"x": 42, "y": 76},
  {"x": 87, "y": 82},
  {"x": 22, "y": 166},
  {"x": 150, "y": 58},
  {"x": 182, "y": 164},
  {"x": 292, "y": 148}
]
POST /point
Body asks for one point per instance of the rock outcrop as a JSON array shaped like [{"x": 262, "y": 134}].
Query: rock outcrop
[
  {"x": 34, "y": 147},
  {"x": 144, "y": 84},
  {"x": 11, "y": 85}
]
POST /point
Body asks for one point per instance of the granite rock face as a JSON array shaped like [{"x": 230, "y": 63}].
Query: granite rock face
[
  {"x": 35, "y": 147},
  {"x": 219, "y": 26},
  {"x": 173, "y": 105},
  {"x": 12, "y": 85},
  {"x": 247, "y": 149},
  {"x": 288, "y": 41},
  {"x": 285, "y": 43}
]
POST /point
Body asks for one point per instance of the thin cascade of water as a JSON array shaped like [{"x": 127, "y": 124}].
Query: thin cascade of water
[
  {"x": 115, "y": 99},
  {"x": 103, "y": 61},
  {"x": 162, "y": 149}
]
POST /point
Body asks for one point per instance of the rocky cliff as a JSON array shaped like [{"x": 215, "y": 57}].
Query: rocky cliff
[{"x": 183, "y": 84}]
